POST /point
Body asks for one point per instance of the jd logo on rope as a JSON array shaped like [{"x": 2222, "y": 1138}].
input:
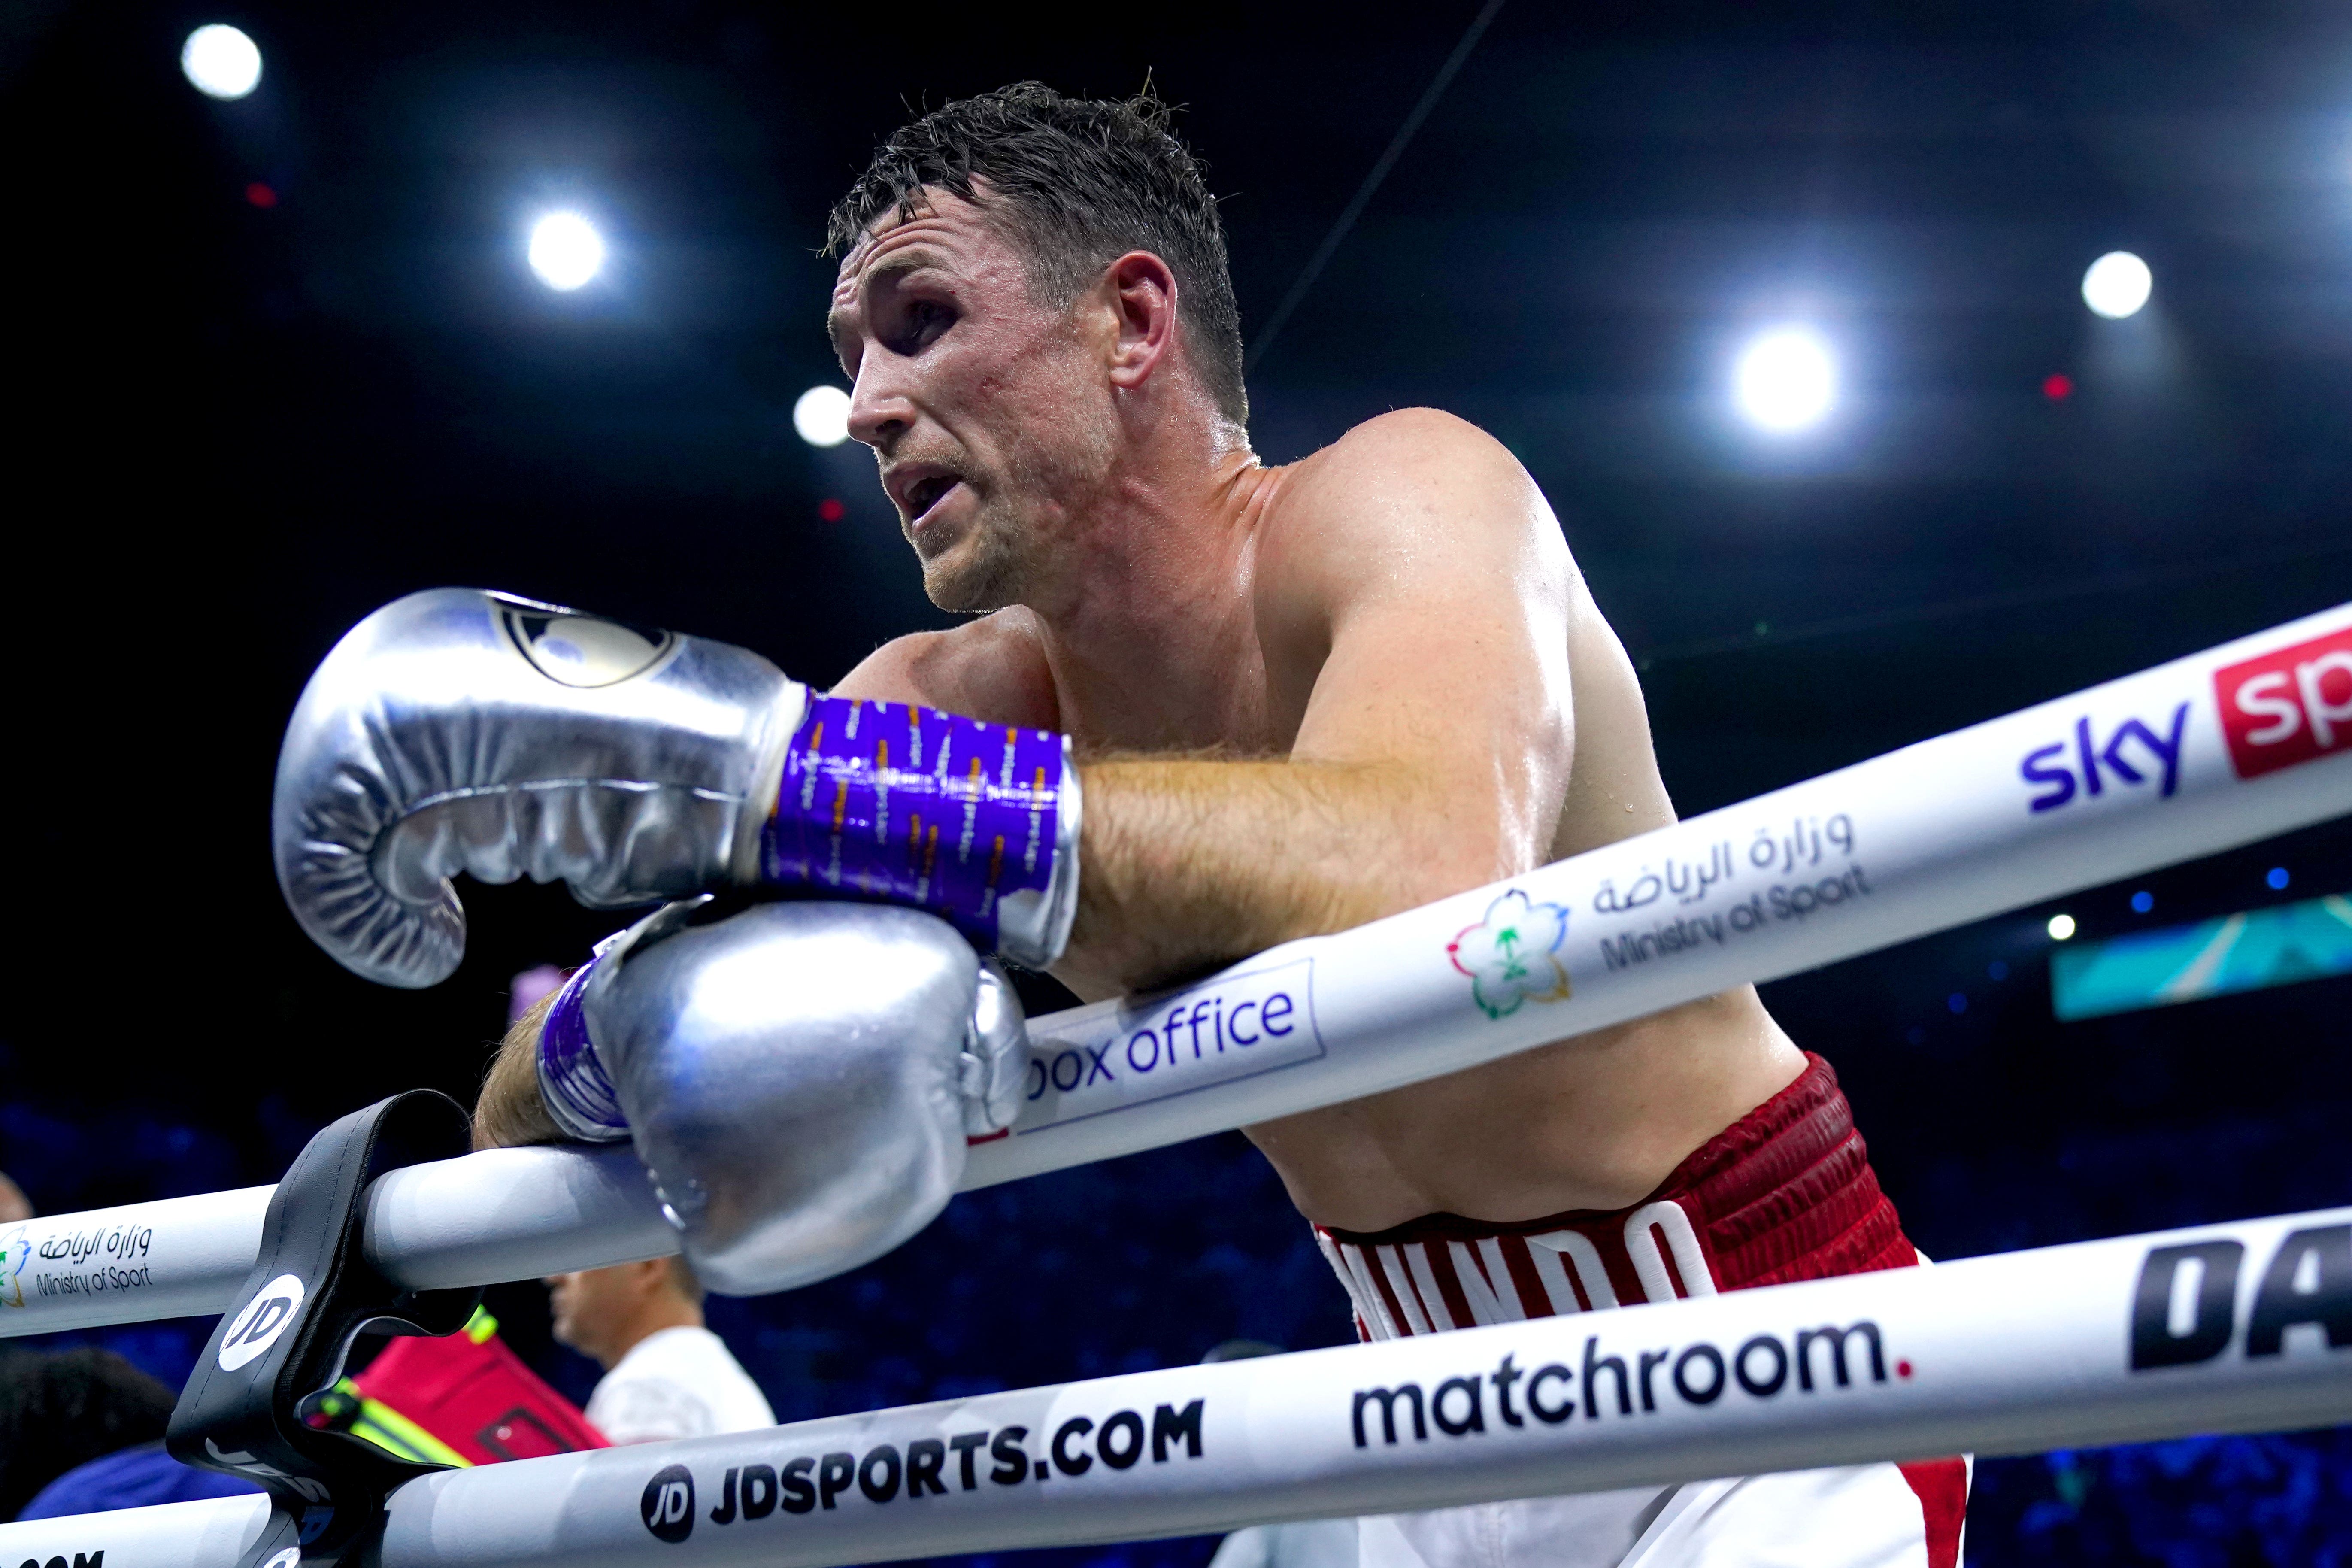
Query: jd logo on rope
[
  {"x": 1512, "y": 956},
  {"x": 2185, "y": 1308},
  {"x": 667, "y": 1506},
  {"x": 256, "y": 1328}
]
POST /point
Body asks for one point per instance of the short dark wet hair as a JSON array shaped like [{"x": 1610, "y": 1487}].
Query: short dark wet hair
[{"x": 1076, "y": 183}]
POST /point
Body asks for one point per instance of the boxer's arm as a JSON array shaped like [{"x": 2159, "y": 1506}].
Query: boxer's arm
[
  {"x": 509, "y": 1111},
  {"x": 1417, "y": 564}
]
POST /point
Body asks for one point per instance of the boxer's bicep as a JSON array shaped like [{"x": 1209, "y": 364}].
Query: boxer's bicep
[
  {"x": 1474, "y": 708},
  {"x": 1444, "y": 584}
]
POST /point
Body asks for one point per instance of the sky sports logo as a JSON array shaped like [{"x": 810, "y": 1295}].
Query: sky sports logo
[
  {"x": 925, "y": 1468},
  {"x": 2290, "y": 705}
]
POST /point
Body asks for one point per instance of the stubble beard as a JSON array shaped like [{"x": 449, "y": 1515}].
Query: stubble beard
[
  {"x": 981, "y": 572},
  {"x": 1023, "y": 531}
]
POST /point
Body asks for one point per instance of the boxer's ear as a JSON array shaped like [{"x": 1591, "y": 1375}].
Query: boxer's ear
[
  {"x": 1141, "y": 291},
  {"x": 509, "y": 1111}
]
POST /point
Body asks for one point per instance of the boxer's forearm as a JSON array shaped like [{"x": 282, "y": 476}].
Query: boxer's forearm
[
  {"x": 509, "y": 1111},
  {"x": 1189, "y": 863}
]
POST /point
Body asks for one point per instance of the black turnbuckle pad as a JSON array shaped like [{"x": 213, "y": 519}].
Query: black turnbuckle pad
[{"x": 312, "y": 1292}]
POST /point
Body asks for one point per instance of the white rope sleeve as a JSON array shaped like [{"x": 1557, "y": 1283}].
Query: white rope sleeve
[
  {"x": 2225, "y": 1327},
  {"x": 2234, "y": 744}
]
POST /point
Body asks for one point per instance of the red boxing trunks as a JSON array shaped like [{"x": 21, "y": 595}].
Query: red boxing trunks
[{"x": 1784, "y": 1193}]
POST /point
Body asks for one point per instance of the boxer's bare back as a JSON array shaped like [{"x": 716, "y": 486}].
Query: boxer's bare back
[{"x": 1304, "y": 696}]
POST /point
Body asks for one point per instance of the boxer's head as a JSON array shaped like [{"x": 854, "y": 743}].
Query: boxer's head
[{"x": 1024, "y": 275}]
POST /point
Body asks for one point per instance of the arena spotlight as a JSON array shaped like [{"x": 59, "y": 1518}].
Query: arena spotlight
[
  {"x": 2061, "y": 928},
  {"x": 220, "y": 61},
  {"x": 1786, "y": 379},
  {"x": 822, "y": 416},
  {"x": 2117, "y": 285},
  {"x": 566, "y": 251}
]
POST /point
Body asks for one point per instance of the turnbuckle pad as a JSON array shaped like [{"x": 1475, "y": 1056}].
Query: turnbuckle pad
[{"x": 311, "y": 1294}]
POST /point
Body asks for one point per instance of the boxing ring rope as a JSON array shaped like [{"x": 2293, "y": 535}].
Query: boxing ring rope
[
  {"x": 2236, "y": 1327},
  {"x": 2218, "y": 749}
]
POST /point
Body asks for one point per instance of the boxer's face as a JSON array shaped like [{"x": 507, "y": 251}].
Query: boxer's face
[{"x": 988, "y": 411}]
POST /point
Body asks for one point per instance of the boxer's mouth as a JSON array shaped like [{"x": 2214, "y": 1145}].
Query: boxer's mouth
[
  {"x": 925, "y": 494},
  {"x": 918, "y": 489}
]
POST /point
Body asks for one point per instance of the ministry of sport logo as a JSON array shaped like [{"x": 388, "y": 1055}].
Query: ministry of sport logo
[
  {"x": 16, "y": 1247},
  {"x": 1512, "y": 956}
]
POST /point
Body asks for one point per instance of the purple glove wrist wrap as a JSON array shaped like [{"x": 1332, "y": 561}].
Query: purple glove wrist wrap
[
  {"x": 901, "y": 802},
  {"x": 571, "y": 1078}
]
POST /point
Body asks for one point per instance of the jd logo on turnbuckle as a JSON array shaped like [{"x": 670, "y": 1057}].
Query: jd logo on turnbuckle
[
  {"x": 265, "y": 1318},
  {"x": 312, "y": 1292}
]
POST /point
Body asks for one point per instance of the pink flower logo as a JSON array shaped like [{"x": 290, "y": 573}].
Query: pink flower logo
[{"x": 1512, "y": 955}]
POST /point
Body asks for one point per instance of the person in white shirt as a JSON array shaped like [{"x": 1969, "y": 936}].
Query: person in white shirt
[{"x": 666, "y": 1375}]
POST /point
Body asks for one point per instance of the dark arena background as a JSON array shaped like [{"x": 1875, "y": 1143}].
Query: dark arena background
[{"x": 280, "y": 358}]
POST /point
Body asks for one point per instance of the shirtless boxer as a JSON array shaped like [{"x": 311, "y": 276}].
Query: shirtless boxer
[
  {"x": 1383, "y": 681},
  {"x": 1303, "y": 697}
]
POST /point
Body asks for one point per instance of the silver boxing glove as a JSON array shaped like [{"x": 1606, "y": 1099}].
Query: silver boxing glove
[
  {"x": 799, "y": 1079},
  {"x": 460, "y": 730}
]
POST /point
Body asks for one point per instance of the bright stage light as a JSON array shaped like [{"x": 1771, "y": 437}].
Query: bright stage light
[
  {"x": 1786, "y": 379},
  {"x": 2117, "y": 285},
  {"x": 220, "y": 61},
  {"x": 566, "y": 251},
  {"x": 2062, "y": 927},
  {"x": 822, "y": 416}
]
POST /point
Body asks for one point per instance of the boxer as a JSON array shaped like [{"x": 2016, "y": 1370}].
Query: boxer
[{"x": 1296, "y": 699}]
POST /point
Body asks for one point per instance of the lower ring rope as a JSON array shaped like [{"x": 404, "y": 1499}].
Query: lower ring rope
[{"x": 2235, "y": 1327}]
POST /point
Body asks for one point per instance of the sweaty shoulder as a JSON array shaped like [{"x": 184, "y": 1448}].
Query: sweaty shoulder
[
  {"x": 993, "y": 669},
  {"x": 1412, "y": 478},
  {"x": 1412, "y": 501}
]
